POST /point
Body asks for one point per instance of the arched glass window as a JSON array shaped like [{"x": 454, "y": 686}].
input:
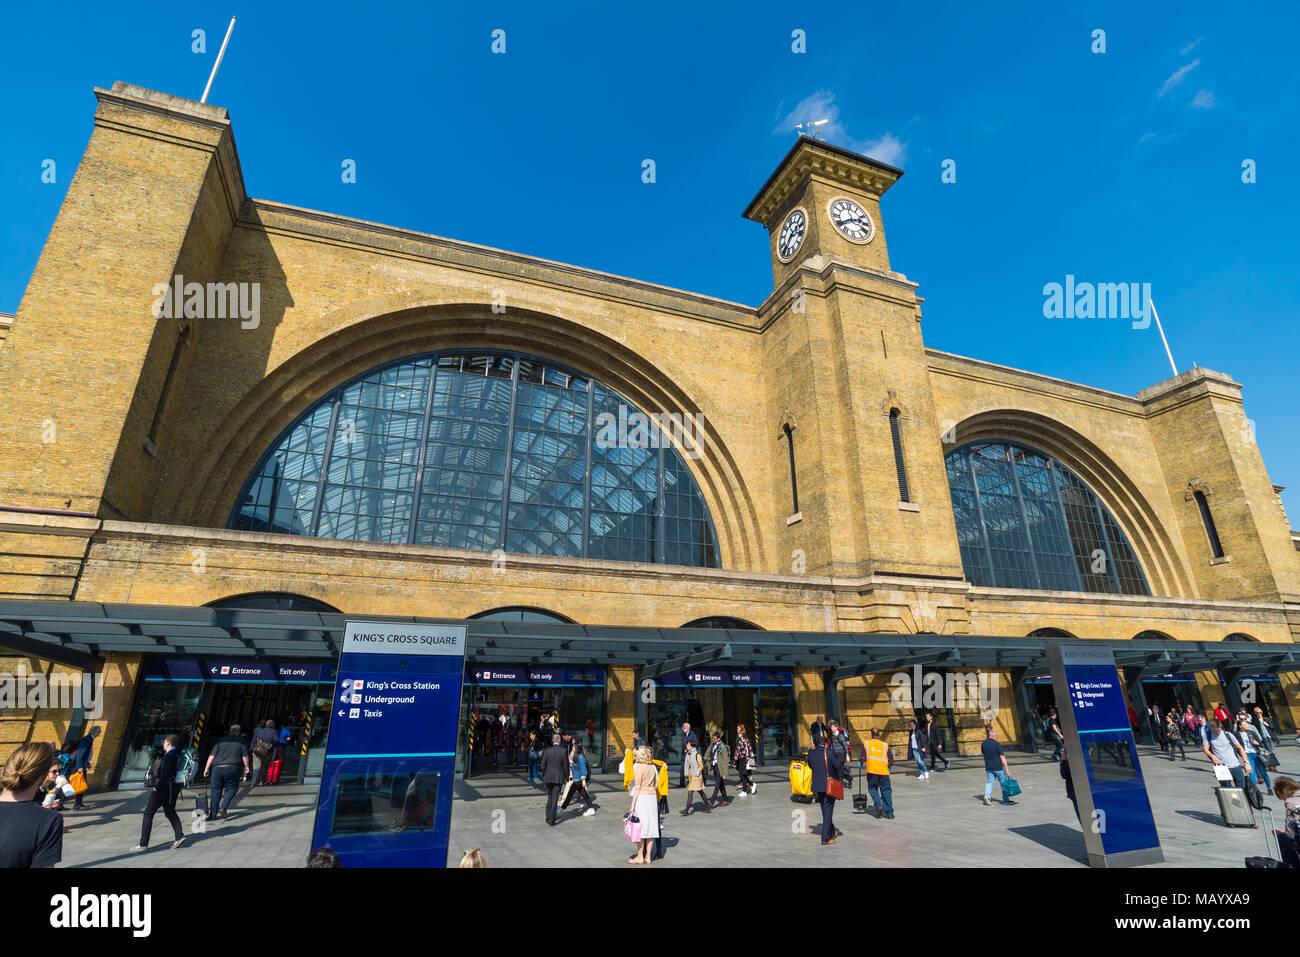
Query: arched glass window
[
  {"x": 1026, "y": 521},
  {"x": 482, "y": 451},
  {"x": 521, "y": 613},
  {"x": 730, "y": 624},
  {"x": 1238, "y": 636},
  {"x": 273, "y": 601}
]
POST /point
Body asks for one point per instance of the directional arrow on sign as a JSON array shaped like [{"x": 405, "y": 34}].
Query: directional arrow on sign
[
  {"x": 213, "y": 670},
  {"x": 340, "y": 714}
]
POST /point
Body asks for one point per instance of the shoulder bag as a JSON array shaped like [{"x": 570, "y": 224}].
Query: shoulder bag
[{"x": 834, "y": 786}]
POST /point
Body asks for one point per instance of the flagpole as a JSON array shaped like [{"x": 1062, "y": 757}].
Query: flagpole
[
  {"x": 217, "y": 66},
  {"x": 1161, "y": 329}
]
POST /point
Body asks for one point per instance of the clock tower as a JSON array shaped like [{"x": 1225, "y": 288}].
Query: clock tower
[
  {"x": 863, "y": 492},
  {"x": 824, "y": 201}
]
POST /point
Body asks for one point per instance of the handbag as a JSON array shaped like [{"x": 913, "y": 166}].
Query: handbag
[
  {"x": 632, "y": 828},
  {"x": 834, "y": 786},
  {"x": 1010, "y": 787},
  {"x": 261, "y": 748},
  {"x": 77, "y": 781}
]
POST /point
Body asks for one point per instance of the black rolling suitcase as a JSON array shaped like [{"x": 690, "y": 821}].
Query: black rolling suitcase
[
  {"x": 860, "y": 800},
  {"x": 1270, "y": 841}
]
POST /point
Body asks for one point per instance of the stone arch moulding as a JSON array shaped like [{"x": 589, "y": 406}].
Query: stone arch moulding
[
  {"x": 362, "y": 336},
  {"x": 1166, "y": 574}
]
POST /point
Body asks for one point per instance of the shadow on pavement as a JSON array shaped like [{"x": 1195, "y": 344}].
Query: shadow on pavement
[{"x": 1066, "y": 841}]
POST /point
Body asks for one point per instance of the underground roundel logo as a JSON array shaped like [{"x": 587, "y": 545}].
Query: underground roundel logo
[{"x": 851, "y": 220}]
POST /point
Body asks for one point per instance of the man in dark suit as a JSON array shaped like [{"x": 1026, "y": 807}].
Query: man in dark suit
[
  {"x": 825, "y": 763},
  {"x": 555, "y": 771}
]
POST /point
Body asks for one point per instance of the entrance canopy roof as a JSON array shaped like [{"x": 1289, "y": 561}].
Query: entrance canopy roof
[{"x": 79, "y": 633}]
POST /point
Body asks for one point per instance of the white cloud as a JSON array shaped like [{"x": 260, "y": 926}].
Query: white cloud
[
  {"x": 887, "y": 148},
  {"x": 1177, "y": 76},
  {"x": 1191, "y": 46},
  {"x": 1203, "y": 100}
]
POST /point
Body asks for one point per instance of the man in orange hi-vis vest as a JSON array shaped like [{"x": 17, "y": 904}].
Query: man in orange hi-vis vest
[{"x": 878, "y": 760}]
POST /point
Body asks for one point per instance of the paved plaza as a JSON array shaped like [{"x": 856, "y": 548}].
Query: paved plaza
[{"x": 940, "y": 823}]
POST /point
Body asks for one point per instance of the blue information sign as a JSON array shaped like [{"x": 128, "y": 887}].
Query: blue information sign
[
  {"x": 385, "y": 796},
  {"x": 1118, "y": 826},
  {"x": 727, "y": 678}
]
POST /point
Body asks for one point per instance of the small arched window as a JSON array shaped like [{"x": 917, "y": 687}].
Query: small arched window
[
  {"x": 900, "y": 466},
  {"x": 522, "y": 613},
  {"x": 1216, "y": 547}
]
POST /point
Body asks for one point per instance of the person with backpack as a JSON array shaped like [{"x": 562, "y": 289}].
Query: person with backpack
[
  {"x": 744, "y": 761},
  {"x": 61, "y": 790},
  {"x": 163, "y": 792},
  {"x": 263, "y": 748},
  {"x": 82, "y": 756},
  {"x": 1174, "y": 735},
  {"x": 1222, "y": 747},
  {"x": 578, "y": 775},
  {"x": 717, "y": 762},
  {"x": 1253, "y": 745},
  {"x": 693, "y": 766}
]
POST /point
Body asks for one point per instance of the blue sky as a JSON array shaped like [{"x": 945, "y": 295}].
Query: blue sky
[{"x": 1122, "y": 166}]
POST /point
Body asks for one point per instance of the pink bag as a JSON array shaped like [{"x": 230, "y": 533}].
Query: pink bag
[{"x": 632, "y": 828}]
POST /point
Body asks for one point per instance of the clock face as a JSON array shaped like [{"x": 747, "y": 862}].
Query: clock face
[
  {"x": 791, "y": 236},
  {"x": 851, "y": 220}
]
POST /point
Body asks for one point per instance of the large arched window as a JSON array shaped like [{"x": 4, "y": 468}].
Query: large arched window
[
  {"x": 482, "y": 451},
  {"x": 522, "y": 613},
  {"x": 1026, "y": 521}
]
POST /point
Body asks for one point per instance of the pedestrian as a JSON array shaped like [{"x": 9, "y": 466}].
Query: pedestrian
[
  {"x": 1174, "y": 735},
  {"x": 1157, "y": 727},
  {"x": 1253, "y": 744},
  {"x": 1289, "y": 837},
  {"x": 1189, "y": 721},
  {"x": 645, "y": 801},
  {"x": 693, "y": 764},
  {"x": 1223, "y": 748},
  {"x": 837, "y": 739},
  {"x": 1069, "y": 787},
  {"x": 934, "y": 737},
  {"x": 661, "y": 791},
  {"x": 282, "y": 743},
  {"x": 62, "y": 790},
  {"x": 263, "y": 748},
  {"x": 1133, "y": 719},
  {"x": 879, "y": 759},
  {"x": 744, "y": 761},
  {"x": 717, "y": 766},
  {"x": 82, "y": 756},
  {"x": 919, "y": 743},
  {"x": 30, "y": 835},
  {"x": 1265, "y": 728},
  {"x": 688, "y": 737},
  {"x": 472, "y": 858},
  {"x": 578, "y": 776},
  {"x": 554, "y": 767},
  {"x": 1220, "y": 712},
  {"x": 995, "y": 766},
  {"x": 163, "y": 792},
  {"x": 817, "y": 730},
  {"x": 1058, "y": 736},
  {"x": 826, "y": 771},
  {"x": 324, "y": 858},
  {"x": 223, "y": 766},
  {"x": 534, "y": 759}
]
